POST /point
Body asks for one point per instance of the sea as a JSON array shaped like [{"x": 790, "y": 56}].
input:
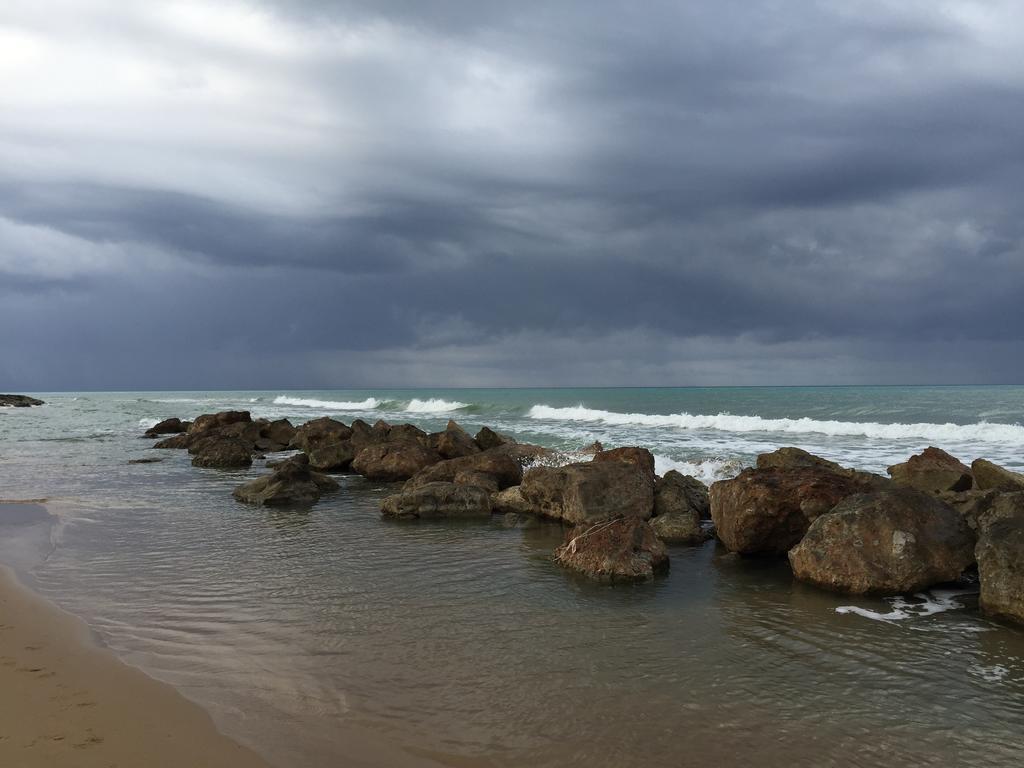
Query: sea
[{"x": 330, "y": 636}]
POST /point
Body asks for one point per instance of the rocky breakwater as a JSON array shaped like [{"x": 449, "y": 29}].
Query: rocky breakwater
[
  {"x": 18, "y": 401},
  {"x": 225, "y": 440}
]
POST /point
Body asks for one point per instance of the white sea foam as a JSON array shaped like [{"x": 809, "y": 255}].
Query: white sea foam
[
  {"x": 147, "y": 423},
  {"x": 936, "y": 601},
  {"x": 433, "y": 405},
  {"x": 705, "y": 470},
  {"x": 994, "y": 674},
  {"x": 1011, "y": 434},
  {"x": 369, "y": 404}
]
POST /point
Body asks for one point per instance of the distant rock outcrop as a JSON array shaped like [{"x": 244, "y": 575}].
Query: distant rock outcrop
[{"x": 18, "y": 401}]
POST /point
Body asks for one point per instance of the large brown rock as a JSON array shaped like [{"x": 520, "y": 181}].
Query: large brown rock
[
  {"x": 223, "y": 453},
  {"x": 211, "y": 420},
  {"x": 318, "y": 432},
  {"x": 934, "y": 471},
  {"x": 438, "y": 500},
  {"x": 767, "y": 511},
  {"x": 679, "y": 493},
  {"x": 408, "y": 432},
  {"x": 886, "y": 542},
  {"x": 641, "y": 458},
  {"x": 1000, "y": 554},
  {"x": 510, "y": 501},
  {"x": 168, "y": 427},
  {"x": 454, "y": 442},
  {"x": 590, "y": 491},
  {"x": 679, "y": 528},
  {"x": 390, "y": 462},
  {"x": 280, "y": 431},
  {"x": 292, "y": 483},
  {"x": 973, "y": 505},
  {"x": 620, "y": 549},
  {"x": 795, "y": 458},
  {"x": 502, "y": 468},
  {"x": 487, "y": 438},
  {"x": 989, "y": 476},
  {"x": 332, "y": 456}
]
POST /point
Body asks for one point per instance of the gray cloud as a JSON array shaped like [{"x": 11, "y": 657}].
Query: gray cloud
[{"x": 324, "y": 194}]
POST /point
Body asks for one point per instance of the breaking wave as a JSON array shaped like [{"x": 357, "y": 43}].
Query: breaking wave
[
  {"x": 369, "y": 404},
  {"x": 433, "y": 405},
  {"x": 983, "y": 431}
]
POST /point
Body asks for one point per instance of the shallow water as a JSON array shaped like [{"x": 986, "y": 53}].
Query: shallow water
[{"x": 332, "y": 635}]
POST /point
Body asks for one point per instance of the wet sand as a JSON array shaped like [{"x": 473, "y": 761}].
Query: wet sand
[{"x": 66, "y": 702}]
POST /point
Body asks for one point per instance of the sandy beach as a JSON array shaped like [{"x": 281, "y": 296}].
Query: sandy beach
[{"x": 66, "y": 702}]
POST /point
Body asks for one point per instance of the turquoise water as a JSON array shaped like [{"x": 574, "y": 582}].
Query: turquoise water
[{"x": 333, "y": 637}]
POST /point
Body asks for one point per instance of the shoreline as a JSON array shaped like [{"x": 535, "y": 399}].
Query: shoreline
[{"x": 65, "y": 701}]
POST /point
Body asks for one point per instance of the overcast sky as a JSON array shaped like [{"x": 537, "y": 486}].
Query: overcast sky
[{"x": 212, "y": 193}]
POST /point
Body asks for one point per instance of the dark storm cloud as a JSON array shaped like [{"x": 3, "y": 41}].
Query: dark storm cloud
[{"x": 474, "y": 192}]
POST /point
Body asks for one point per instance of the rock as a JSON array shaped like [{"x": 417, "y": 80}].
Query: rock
[
  {"x": 223, "y": 453},
  {"x": 408, "y": 432},
  {"x": 989, "y": 476},
  {"x": 621, "y": 549},
  {"x": 147, "y": 460},
  {"x": 18, "y": 401},
  {"x": 247, "y": 432},
  {"x": 390, "y": 462},
  {"x": 280, "y": 432},
  {"x": 679, "y": 528},
  {"x": 972, "y": 505},
  {"x": 767, "y": 511},
  {"x": 487, "y": 438},
  {"x": 453, "y": 443},
  {"x": 679, "y": 493},
  {"x": 526, "y": 454},
  {"x": 510, "y": 501},
  {"x": 178, "y": 441},
  {"x": 590, "y": 491},
  {"x": 593, "y": 449},
  {"x": 1000, "y": 554},
  {"x": 318, "y": 431},
  {"x": 480, "y": 479},
  {"x": 438, "y": 500},
  {"x": 886, "y": 542},
  {"x": 210, "y": 420},
  {"x": 641, "y": 458},
  {"x": 934, "y": 471},
  {"x": 795, "y": 458},
  {"x": 168, "y": 427},
  {"x": 332, "y": 456},
  {"x": 292, "y": 483},
  {"x": 504, "y": 470}
]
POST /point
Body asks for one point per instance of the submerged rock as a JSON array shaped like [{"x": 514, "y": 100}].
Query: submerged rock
[
  {"x": 989, "y": 476},
  {"x": 590, "y": 491},
  {"x": 934, "y": 471},
  {"x": 1000, "y": 554},
  {"x": 292, "y": 483},
  {"x": 621, "y": 549},
  {"x": 438, "y": 499},
  {"x": 18, "y": 401},
  {"x": 887, "y": 542},
  {"x": 147, "y": 460},
  {"x": 768, "y": 511}
]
